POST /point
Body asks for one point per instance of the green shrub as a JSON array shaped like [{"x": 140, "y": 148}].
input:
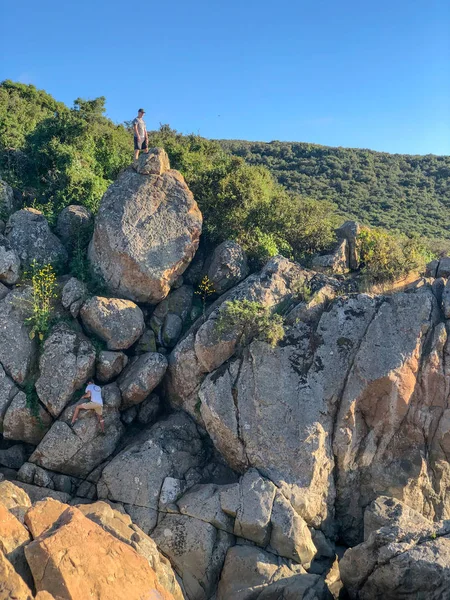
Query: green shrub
[
  {"x": 32, "y": 398},
  {"x": 43, "y": 284},
  {"x": 386, "y": 257},
  {"x": 253, "y": 319}
]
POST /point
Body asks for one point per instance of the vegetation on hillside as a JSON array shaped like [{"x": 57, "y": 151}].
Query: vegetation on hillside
[
  {"x": 395, "y": 191},
  {"x": 58, "y": 156}
]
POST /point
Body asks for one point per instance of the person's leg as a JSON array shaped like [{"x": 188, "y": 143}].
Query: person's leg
[
  {"x": 75, "y": 414},
  {"x": 136, "y": 154},
  {"x": 101, "y": 422}
]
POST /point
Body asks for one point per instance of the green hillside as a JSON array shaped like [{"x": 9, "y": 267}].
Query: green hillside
[{"x": 396, "y": 191}]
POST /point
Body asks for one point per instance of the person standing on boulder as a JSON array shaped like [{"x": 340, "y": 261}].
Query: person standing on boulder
[
  {"x": 140, "y": 134},
  {"x": 93, "y": 393}
]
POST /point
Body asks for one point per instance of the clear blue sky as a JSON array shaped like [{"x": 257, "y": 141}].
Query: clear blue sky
[{"x": 335, "y": 72}]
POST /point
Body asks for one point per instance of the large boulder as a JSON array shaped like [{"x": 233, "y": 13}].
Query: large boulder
[
  {"x": 77, "y": 449},
  {"x": 25, "y": 421},
  {"x": 147, "y": 230},
  {"x": 402, "y": 559},
  {"x": 8, "y": 202},
  {"x": 227, "y": 267},
  {"x": 13, "y": 587},
  {"x": 141, "y": 377},
  {"x": 29, "y": 234},
  {"x": 66, "y": 363},
  {"x": 170, "y": 448},
  {"x": 75, "y": 545},
  {"x": 17, "y": 351},
  {"x": 9, "y": 263},
  {"x": 13, "y": 539},
  {"x": 117, "y": 322},
  {"x": 197, "y": 551},
  {"x": 74, "y": 226},
  {"x": 110, "y": 365}
]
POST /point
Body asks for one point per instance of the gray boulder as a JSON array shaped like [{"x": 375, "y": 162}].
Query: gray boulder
[
  {"x": 255, "y": 507},
  {"x": 203, "y": 502},
  {"x": 77, "y": 449},
  {"x": 141, "y": 377},
  {"x": 227, "y": 267},
  {"x": 9, "y": 263},
  {"x": 170, "y": 448},
  {"x": 149, "y": 409},
  {"x": 14, "y": 456},
  {"x": 117, "y": 322},
  {"x": 443, "y": 269},
  {"x": 8, "y": 390},
  {"x": 67, "y": 361},
  {"x": 29, "y": 234},
  {"x": 197, "y": 551},
  {"x": 8, "y": 203},
  {"x": 140, "y": 214},
  {"x": 170, "y": 315},
  {"x": 74, "y": 226},
  {"x": 110, "y": 365},
  {"x": 248, "y": 571},
  {"x": 336, "y": 262},
  {"x": 24, "y": 423},
  {"x": 402, "y": 559},
  {"x": 17, "y": 351},
  {"x": 74, "y": 294},
  {"x": 349, "y": 231},
  {"x": 146, "y": 343}
]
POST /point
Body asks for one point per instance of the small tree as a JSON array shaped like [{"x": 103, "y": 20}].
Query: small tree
[{"x": 254, "y": 320}]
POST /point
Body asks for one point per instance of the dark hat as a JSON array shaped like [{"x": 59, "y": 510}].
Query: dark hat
[{"x": 141, "y": 110}]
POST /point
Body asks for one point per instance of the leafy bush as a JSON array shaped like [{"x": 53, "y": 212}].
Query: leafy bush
[
  {"x": 253, "y": 319},
  {"x": 43, "y": 282},
  {"x": 386, "y": 257}
]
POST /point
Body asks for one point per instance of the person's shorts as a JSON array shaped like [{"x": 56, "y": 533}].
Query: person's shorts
[
  {"x": 140, "y": 145},
  {"x": 93, "y": 406}
]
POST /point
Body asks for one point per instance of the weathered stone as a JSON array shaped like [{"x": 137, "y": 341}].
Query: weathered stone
[
  {"x": 8, "y": 202},
  {"x": 74, "y": 226},
  {"x": 390, "y": 512},
  {"x": 78, "y": 545},
  {"x": 37, "y": 493},
  {"x": 74, "y": 294},
  {"x": 66, "y": 363},
  {"x": 228, "y": 266},
  {"x": 77, "y": 449},
  {"x": 138, "y": 215},
  {"x": 349, "y": 231},
  {"x": 446, "y": 300},
  {"x": 7, "y": 392},
  {"x": 298, "y": 587},
  {"x": 146, "y": 343},
  {"x": 12, "y": 586},
  {"x": 9, "y": 263},
  {"x": 171, "y": 490},
  {"x": 203, "y": 502},
  {"x": 13, "y": 539},
  {"x": 141, "y": 377},
  {"x": 119, "y": 323},
  {"x": 443, "y": 269},
  {"x": 337, "y": 262},
  {"x": 171, "y": 330},
  {"x": 42, "y": 515},
  {"x": 14, "y": 499},
  {"x": 110, "y": 365},
  {"x": 248, "y": 570},
  {"x": 197, "y": 551},
  {"x": 17, "y": 350},
  {"x": 14, "y": 456},
  {"x": 169, "y": 449},
  {"x": 154, "y": 162},
  {"x": 24, "y": 424},
  {"x": 169, "y": 316},
  {"x": 4, "y": 291},
  {"x": 120, "y": 526},
  {"x": 431, "y": 268},
  {"x": 29, "y": 235},
  {"x": 290, "y": 536},
  {"x": 229, "y": 499},
  {"x": 149, "y": 409},
  {"x": 399, "y": 563},
  {"x": 32, "y": 474},
  {"x": 256, "y": 496}
]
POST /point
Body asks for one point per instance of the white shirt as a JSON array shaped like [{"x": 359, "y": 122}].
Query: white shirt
[{"x": 96, "y": 393}]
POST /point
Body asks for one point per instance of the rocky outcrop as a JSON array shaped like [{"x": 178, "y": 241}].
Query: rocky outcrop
[
  {"x": 9, "y": 263},
  {"x": 74, "y": 294},
  {"x": 74, "y": 226},
  {"x": 26, "y": 422},
  {"x": 29, "y": 234},
  {"x": 228, "y": 266},
  {"x": 77, "y": 449},
  {"x": 67, "y": 361},
  {"x": 8, "y": 202},
  {"x": 147, "y": 230},
  {"x": 407, "y": 557},
  {"x": 119, "y": 323}
]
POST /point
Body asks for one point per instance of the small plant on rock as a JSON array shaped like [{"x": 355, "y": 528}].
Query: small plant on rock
[
  {"x": 43, "y": 283},
  {"x": 254, "y": 320},
  {"x": 204, "y": 290},
  {"x": 301, "y": 290}
]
